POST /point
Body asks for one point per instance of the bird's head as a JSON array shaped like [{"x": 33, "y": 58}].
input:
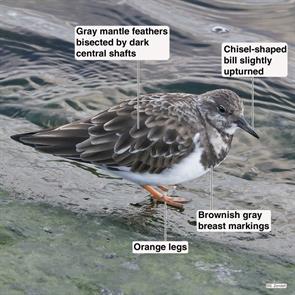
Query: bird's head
[{"x": 224, "y": 110}]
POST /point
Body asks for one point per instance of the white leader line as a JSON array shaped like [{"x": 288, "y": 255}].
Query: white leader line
[
  {"x": 138, "y": 93},
  {"x": 211, "y": 188},
  {"x": 252, "y": 103}
]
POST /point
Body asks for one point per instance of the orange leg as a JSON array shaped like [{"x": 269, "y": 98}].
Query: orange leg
[
  {"x": 175, "y": 199},
  {"x": 163, "y": 188},
  {"x": 160, "y": 197}
]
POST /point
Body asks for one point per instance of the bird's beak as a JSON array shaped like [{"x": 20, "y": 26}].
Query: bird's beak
[{"x": 243, "y": 124}]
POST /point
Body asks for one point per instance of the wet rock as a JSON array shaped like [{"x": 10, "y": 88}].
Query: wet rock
[
  {"x": 130, "y": 265},
  {"x": 110, "y": 255},
  {"x": 24, "y": 174}
]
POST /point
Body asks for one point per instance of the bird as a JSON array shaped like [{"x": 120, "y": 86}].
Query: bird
[{"x": 153, "y": 140}]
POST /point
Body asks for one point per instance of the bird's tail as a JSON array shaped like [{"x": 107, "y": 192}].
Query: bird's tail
[
  {"x": 23, "y": 138},
  {"x": 61, "y": 141}
]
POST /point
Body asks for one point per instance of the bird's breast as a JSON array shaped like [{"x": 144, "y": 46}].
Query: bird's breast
[{"x": 216, "y": 150}]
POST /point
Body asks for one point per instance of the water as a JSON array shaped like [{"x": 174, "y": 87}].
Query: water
[{"x": 41, "y": 83}]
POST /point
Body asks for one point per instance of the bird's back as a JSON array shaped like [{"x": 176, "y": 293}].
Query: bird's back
[{"x": 167, "y": 126}]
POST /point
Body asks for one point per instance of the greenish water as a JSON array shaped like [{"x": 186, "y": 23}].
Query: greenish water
[{"x": 47, "y": 250}]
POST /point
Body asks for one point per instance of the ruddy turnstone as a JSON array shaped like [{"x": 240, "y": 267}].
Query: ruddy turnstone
[{"x": 179, "y": 138}]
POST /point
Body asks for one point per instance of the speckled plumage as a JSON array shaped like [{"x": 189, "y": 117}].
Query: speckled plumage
[{"x": 173, "y": 126}]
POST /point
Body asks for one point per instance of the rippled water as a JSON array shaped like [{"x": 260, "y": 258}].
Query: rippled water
[{"x": 41, "y": 82}]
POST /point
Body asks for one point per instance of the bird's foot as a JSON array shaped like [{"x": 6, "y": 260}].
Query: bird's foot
[
  {"x": 164, "y": 188},
  {"x": 176, "y": 202},
  {"x": 170, "y": 190},
  {"x": 178, "y": 199},
  {"x": 169, "y": 201}
]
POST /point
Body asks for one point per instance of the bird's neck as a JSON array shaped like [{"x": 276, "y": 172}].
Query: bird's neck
[
  {"x": 216, "y": 142},
  {"x": 218, "y": 145},
  {"x": 218, "y": 148}
]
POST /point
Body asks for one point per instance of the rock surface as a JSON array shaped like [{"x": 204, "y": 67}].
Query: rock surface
[{"x": 36, "y": 177}]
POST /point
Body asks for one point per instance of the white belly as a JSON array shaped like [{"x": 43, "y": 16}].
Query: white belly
[{"x": 189, "y": 168}]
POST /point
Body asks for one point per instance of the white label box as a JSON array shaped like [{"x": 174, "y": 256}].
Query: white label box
[
  {"x": 160, "y": 247},
  {"x": 122, "y": 42},
  {"x": 247, "y": 59},
  {"x": 233, "y": 220},
  {"x": 276, "y": 285}
]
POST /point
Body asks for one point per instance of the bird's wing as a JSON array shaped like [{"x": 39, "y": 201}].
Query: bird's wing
[
  {"x": 112, "y": 138},
  {"x": 163, "y": 139}
]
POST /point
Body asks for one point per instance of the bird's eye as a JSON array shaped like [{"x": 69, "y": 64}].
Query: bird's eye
[{"x": 221, "y": 109}]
